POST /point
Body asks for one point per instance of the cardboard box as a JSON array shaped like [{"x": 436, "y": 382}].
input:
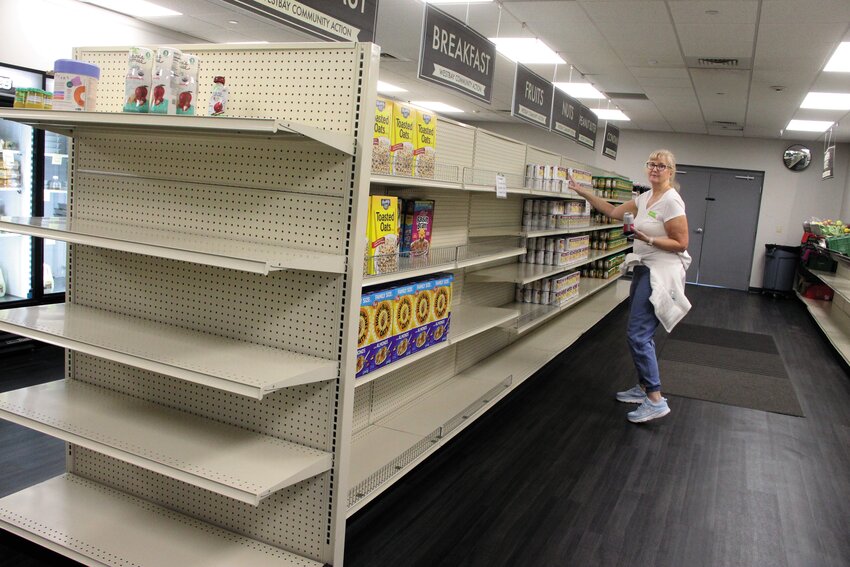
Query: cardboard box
[
  {"x": 382, "y": 138},
  {"x": 404, "y": 139},
  {"x": 442, "y": 305},
  {"x": 425, "y": 149},
  {"x": 417, "y": 225},
  {"x": 382, "y": 235},
  {"x": 364, "y": 332}
]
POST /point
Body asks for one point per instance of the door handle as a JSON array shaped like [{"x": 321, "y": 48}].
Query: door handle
[{"x": 698, "y": 231}]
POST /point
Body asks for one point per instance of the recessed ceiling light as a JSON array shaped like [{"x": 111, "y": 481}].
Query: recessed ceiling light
[
  {"x": 580, "y": 90},
  {"x": 827, "y": 101},
  {"x": 809, "y": 125},
  {"x": 388, "y": 88},
  {"x": 435, "y": 106},
  {"x": 840, "y": 60},
  {"x": 610, "y": 114},
  {"x": 139, "y": 8},
  {"x": 232, "y": 22},
  {"x": 526, "y": 50}
]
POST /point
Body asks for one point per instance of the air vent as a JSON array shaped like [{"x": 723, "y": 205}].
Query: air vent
[
  {"x": 724, "y": 62},
  {"x": 724, "y": 123},
  {"x": 627, "y": 96}
]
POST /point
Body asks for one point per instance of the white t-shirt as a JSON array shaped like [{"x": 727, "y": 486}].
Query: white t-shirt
[{"x": 651, "y": 221}]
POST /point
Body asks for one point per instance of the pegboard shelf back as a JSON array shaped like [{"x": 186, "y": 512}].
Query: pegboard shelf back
[{"x": 68, "y": 123}]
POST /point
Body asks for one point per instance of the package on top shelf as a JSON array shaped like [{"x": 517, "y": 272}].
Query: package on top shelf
[
  {"x": 563, "y": 174},
  {"x": 166, "y": 66},
  {"x": 417, "y": 224},
  {"x": 382, "y": 234},
  {"x": 382, "y": 138},
  {"x": 404, "y": 139},
  {"x": 137, "y": 82},
  {"x": 403, "y": 321},
  {"x": 187, "y": 83},
  {"x": 218, "y": 97},
  {"x": 425, "y": 150},
  {"x": 74, "y": 85}
]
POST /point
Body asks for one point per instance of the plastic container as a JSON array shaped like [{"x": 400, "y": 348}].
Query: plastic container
[
  {"x": 74, "y": 85},
  {"x": 780, "y": 266}
]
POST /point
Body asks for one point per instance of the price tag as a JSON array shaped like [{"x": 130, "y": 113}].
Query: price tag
[
  {"x": 8, "y": 156},
  {"x": 56, "y": 159},
  {"x": 501, "y": 187}
]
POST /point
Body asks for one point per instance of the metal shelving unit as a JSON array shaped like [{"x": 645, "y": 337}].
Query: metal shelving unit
[
  {"x": 208, "y": 396},
  {"x": 833, "y": 317},
  {"x": 200, "y": 249},
  {"x": 528, "y": 273},
  {"x": 502, "y": 231}
]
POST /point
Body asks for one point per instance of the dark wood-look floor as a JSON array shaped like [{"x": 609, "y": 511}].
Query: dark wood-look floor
[{"x": 555, "y": 475}]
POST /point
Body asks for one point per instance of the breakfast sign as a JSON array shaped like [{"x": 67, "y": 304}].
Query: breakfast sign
[
  {"x": 333, "y": 20},
  {"x": 456, "y": 56}
]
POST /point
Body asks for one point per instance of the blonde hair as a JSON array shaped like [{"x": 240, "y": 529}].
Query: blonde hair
[{"x": 670, "y": 160}]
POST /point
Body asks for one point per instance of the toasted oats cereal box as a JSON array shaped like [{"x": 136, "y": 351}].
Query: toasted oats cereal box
[
  {"x": 382, "y": 234},
  {"x": 404, "y": 139},
  {"x": 382, "y": 138},
  {"x": 425, "y": 150},
  {"x": 364, "y": 332}
]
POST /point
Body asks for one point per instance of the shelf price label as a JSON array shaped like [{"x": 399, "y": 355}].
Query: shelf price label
[
  {"x": 56, "y": 159},
  {"x": 501, "y": 186}
]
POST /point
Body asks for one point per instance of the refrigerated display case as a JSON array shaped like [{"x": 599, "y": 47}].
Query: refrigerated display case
[{"x": 34, "y": 176}]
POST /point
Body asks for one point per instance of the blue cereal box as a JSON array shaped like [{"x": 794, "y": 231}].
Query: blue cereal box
[
  {"x": 402, "y": 345},
  {"x": 439, "y": 330},
  {"x": 442, "y": 304},
  {"x": 364, "y": 333},
  {"x": 423, "y": 313},
  {"x": 381, "y": 354},
  {"x": 381, "y": 328},
  {"x": 403, "y": 320}
]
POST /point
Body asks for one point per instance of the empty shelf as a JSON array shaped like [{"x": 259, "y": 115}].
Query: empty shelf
[
  {"x": 224, "y": 459},
  {"x": 66, "y": 122},
  {"x": 222, "y": 363},
  {"x": 527, "y": 273},
  {"x": 97, "y": 525},
  {"x": 197, "y": 248}
]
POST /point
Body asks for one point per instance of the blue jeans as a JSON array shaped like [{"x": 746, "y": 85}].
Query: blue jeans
[{"x": 641, "y": 330}]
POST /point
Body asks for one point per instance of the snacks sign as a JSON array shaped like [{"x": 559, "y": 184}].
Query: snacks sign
[
  {"x": 532, "y": 97},
  {"x": 333, "y": 20},
  {"x": 455, "y": 56}
]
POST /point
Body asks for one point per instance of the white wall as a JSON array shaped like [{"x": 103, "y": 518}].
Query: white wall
[
  {"x": 787, "y": 197},
  {"x": 37, "y": 32}
]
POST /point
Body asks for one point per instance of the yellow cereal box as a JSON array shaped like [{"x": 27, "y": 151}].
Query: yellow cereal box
[
  {"x": 382, "y": 138},
  {"x": 425, "y": 151},
  {"x": 382, "y": 234},
  {"x": 404, "y": 139}
]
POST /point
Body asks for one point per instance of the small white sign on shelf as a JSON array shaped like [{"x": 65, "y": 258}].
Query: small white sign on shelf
[
  {"x": 56, "y": 159},
  {"x": 501, "y": 187}
]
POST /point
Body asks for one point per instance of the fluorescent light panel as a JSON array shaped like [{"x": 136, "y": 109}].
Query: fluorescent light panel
[
  {"x": 456, "y": 1},
  {"x": 809, "y": 125},
  {"x": 610, "y": 114},
  {"x": 827, "y": 101},
  {"x": 388, "y": 88},
  {"x": 840, "y": 60},
  {"x": 526, "y": 50},
  {"x": 435, "y": 106},
  {"x": 580, "y": 90},
  {"x": 139, "y": 8}
]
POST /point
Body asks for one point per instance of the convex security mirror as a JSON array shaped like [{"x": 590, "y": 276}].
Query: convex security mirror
[{"x": 797, "y": 157}]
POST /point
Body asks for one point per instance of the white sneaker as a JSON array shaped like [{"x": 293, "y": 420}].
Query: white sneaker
[
  {"x": 634, "y": 395},
  {"x": 649, "y": 410}
]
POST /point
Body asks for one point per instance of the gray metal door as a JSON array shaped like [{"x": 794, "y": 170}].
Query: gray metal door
[
  {"x": 694, "y": 184},
  {"x": 722, "y": 245}
]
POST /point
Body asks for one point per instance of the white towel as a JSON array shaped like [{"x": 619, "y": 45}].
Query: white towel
[{"x": 667, "y": 279}]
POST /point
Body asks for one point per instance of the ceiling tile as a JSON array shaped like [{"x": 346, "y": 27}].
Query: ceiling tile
[
  {"x": 626, "y": 13},
  {"x": 717, "y": 40},
  {"x": 813, "y": 11},
  {"x": 730, "y": 11},
  {"x": 660, "y": 72}
]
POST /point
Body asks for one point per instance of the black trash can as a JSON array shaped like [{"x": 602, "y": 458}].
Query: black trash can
[{"x": 780, "y": 266}]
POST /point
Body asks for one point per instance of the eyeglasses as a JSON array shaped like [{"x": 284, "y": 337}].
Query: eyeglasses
[{"x": 659, "y": 166}]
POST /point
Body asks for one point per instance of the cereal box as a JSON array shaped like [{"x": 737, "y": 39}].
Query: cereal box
[
  {"x": 382, "y": 235},
  {"x": 404, "y": 139},
  {"x": 417, "y": 223},
  {"x": 423, "y": 313},
  {"x": 425, "y": 150},
  {"x": 440, "y": 330},
  {"x": 364, "y": 332},
  {"x": 403, "y": 320},
  {"x": 379, "y": 353},
  {"x": 382, "y": 138},
  {"x": 442, "y": 305}
]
